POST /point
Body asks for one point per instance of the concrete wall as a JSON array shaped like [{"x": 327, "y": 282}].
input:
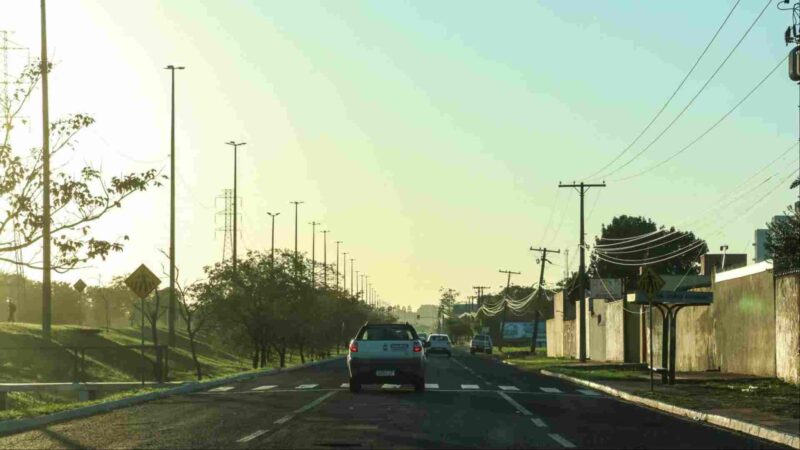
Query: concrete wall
[
  {"x": 560, "y": 332},
  {"x": 595, "y": 330},
  {"x": 615, "y": 331},
  {"x": 743, "y": 318},
  {"x": 570, "y": 339},
  {"x": 696, "y": 340},
  {"x": 787, "y": 328}
]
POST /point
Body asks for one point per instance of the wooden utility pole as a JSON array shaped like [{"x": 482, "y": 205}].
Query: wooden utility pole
[
  {"x": 505, "y": 303},
  {"x": 544, "y": 261},
  {"x": 582, "y": 188}
]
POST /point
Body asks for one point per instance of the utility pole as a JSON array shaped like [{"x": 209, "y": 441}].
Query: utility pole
[
  {"x": 296, "y": 204},
  {"x": 544, "y": 261},
  {"x": 172, "y": 299},
  {"x": 325, "y": 256},
  {"x": 792, "y": 36},
  {"x": 582, "y": 188},
  {"x": 46, "y": 285},
  {"x": 235, "y": 146},
  {"x": 313, "y": 252},
  {"x": 505, "y": 304},
  {"x": 479, "y": 300},
  {"x": 272, "y": 246}
]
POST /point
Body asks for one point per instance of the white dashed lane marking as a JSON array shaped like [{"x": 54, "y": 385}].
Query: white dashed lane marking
[
  {"x": 344, "y": 385},
  {"x": 509, "y": 388},
  {"x": 431, "y": 386},
  {"x": 550, "y": 390},
  {"x": 538, "y": 423},
  {"x": 307, "y": 386},
  {"x": 221, "y": 389},
  {"x": 252, "y": 436},
  {"x": 390, "y": 386},
  {"x": 470, "y": 386},
  {"x": 265, "y": 387},
  {"x": 588, "y": 392},
  {"x": 514, "y": 403},
  {"x": 564, "y": 443}
]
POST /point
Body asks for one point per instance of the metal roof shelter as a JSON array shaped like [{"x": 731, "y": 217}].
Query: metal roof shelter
[{"x": 669, "y": 303}]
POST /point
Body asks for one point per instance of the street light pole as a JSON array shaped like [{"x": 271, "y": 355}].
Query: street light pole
[
  {"x": 352, "y": 264},
  {"x": 344, "y": 271},
  {"x": 296, "y": 204},
  {"x": 172, "y": 299},
  {"x": 337, "y": 263},
  {"x": 325, "y": 257},
  {"x": 313, "y": 252},
  {"x": 235, "y": 146},
  {"x": 272, "y": 249},
  {"x": 46, "y": 284}
]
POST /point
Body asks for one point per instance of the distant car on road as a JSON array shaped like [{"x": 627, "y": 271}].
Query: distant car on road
[
  {"x": 481, "y": 343},
  {"x": 386, "y": 353},
  {"x": 423, "y": 337},
  {"x": 439, "y": 343}
]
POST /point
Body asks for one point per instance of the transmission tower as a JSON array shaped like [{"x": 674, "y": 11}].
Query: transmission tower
[{"x": 227, "y": 217}]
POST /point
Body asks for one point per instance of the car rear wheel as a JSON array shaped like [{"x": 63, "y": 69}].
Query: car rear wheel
[{"x": 355, "y": 386}]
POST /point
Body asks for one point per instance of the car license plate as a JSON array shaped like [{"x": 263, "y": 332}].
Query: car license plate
[
  {"x": 384, "y": 373},
  {"x": 399, "y": 347}
]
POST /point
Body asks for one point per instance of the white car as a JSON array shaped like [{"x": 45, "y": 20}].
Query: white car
[
  {"x": 386, "y": 353},
  {"x": 439, "y": 343}
]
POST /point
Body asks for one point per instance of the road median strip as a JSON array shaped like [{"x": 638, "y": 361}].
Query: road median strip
[
  {"x": 13, "y": 426},
  {"x": 765, "y": 433}
]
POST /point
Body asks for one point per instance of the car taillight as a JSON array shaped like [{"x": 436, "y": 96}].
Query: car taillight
[
  {"x": 417, "y": 347},
  {"x": 354, "y": 347}
]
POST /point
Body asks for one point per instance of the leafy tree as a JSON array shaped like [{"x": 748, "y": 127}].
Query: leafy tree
[
  {"x": 447, "y": 298},
  {"x": 79, "y": 197},
  {"x": 664, "y": 241},
  {"x": 783, "y": 239}
]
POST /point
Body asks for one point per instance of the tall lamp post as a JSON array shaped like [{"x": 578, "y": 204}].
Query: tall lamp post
[
  {"x": 235, "y": 146},
  {"x": 272, "y": 249},
  {"x": 172, "y": 300},
  {"x": 46, "y": 286}
]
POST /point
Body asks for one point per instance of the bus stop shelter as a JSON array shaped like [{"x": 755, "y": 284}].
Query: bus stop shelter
[{"x": 669, "y": 303}]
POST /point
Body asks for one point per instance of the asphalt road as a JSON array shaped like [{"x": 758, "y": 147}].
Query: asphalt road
[{"x": 471, "y": 402}]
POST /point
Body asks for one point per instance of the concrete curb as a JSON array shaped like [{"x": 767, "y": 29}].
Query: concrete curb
[
  {"x": 8, "y": 427},
  {"x": 768, "y": 434}
]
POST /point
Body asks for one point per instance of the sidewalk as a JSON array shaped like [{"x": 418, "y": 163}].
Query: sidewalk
[{"x": 763, "y": 407}]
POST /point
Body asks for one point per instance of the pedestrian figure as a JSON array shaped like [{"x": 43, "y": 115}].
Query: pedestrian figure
[{"x": 12, "y": 309}]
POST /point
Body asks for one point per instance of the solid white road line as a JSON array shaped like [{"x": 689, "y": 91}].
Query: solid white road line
[
  {"x": 431, "y": 386},
  {"x": 564, "y": 443},
  {"x": 265, "y": 387},
  {"x": 509, "y": 388},
  {"x": 221, "y": 389},
  {"x": 304, "y": 408},
  {"x": 252, "y": 436},
  {"x": 588, "y": 392},
  {"x": 470, "y": 386},
  {"x": 390, "y": 386},
  {"x": 538, "y": 423},
  {"x": 550, "y": 390},
  {"x": 307, "y": 386},
  {"x": 514, "y": 403}
]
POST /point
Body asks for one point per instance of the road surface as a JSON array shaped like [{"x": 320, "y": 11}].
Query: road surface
[{"x": 470, "y": 402}]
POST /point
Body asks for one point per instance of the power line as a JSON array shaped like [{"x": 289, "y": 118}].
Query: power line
[
  {"x": 671, "y": 97},
  {"x": 709, "y": 129},
  {"x": 692, "y": 100}
]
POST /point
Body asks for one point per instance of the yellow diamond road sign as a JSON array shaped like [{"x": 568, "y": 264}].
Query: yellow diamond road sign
[
  {"x": 650, "y": 282},
  {"x": 142, "y": 281},
  {"x": 79, "y": 285}
]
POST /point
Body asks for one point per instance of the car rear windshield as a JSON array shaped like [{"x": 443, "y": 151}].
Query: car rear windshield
[
  {"x": 481, "y": 337},
  {"x": 439, "y": 338},
  {"x": 385, "y": 333}
]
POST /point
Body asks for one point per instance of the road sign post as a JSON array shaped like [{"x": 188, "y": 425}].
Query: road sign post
[
  {"x": 651, "y": 284},
  {"x": 142, "y": 282}
]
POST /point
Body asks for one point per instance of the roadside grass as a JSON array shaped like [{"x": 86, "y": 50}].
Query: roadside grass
[
  {"x": 521, "y": 357},
  {"x": 766, "y": 395},
  {"x": 33, "y": 409}
]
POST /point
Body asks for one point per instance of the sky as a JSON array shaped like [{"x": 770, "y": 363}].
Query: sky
[{"x": 428, "y": 137}]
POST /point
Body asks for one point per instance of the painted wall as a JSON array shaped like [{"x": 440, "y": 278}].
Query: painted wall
[
  {"x": 561, "y": 332},
  {"x": 615, "y": 331},
  {"x": 787, "y": 328}
]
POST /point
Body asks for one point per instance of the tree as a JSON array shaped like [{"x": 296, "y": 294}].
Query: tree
[
  {"x": 447, "y": 298},
  {"x": 661, "y": 242},
  {"x": 79, "y": 197},
  {"x": 783, "y": 239}
]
